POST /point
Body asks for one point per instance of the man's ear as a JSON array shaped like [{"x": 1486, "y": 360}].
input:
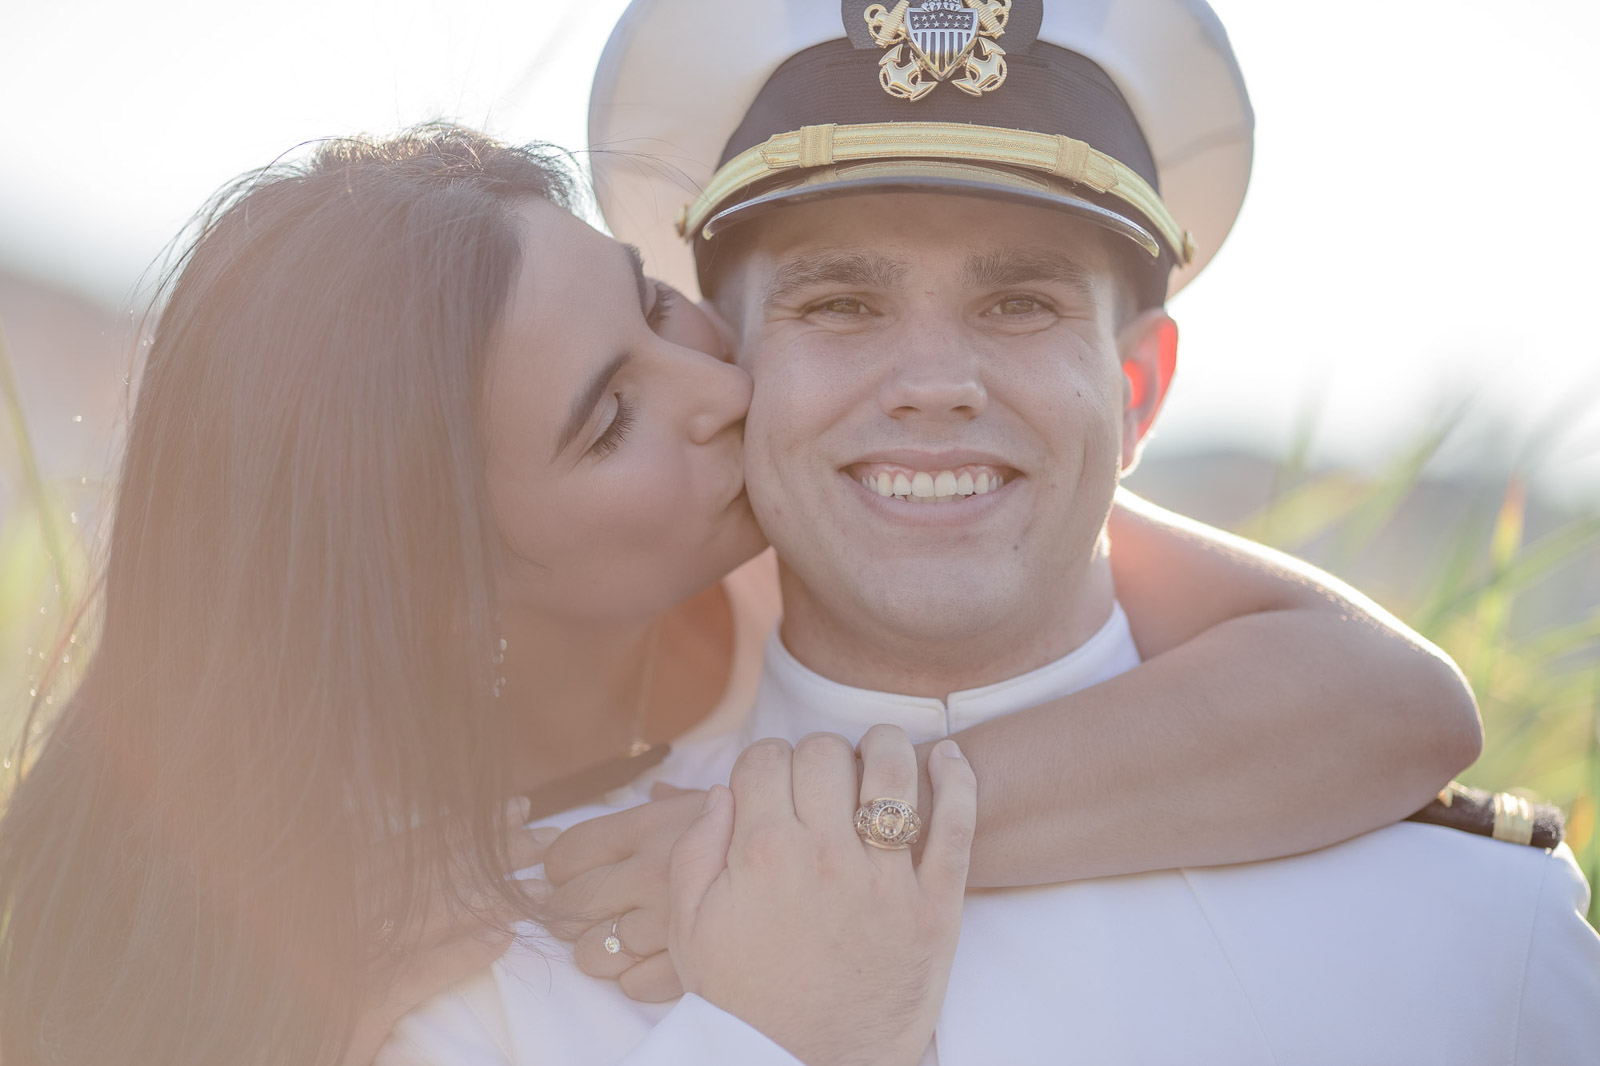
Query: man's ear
[{"x": 1148, "y": 348}]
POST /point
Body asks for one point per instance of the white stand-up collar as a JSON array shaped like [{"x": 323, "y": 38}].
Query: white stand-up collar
[{"x": 795, "y": 700}]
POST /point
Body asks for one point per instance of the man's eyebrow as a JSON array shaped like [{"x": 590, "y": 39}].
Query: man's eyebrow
[
  {"x": 852, "y": 269},
  {"x": 583, "y": 405},
  {"x": 996, "y": 269},
  {"x": 637, "y": 260}
]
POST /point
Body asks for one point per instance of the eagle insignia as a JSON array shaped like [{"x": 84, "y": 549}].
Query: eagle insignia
[{"x": 939, "y": 40}]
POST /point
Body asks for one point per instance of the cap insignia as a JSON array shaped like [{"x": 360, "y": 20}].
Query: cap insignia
[{"x": 939, "y": 40}]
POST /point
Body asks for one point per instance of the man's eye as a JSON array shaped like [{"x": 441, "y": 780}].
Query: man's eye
[
  {"x": 1018, "y": 305},
  {"x": 840, "y": 305}
]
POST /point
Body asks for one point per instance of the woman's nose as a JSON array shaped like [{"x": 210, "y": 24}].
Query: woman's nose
[{"x": 722, "y": 399}]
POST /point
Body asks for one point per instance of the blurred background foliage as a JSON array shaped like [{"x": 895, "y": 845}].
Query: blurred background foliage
[{"x": 1507, "y": 584}]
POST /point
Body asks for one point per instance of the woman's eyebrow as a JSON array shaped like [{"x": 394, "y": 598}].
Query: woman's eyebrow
[
  {"x": 583, "y": 405},
  {"x": 852, "y": 269}
]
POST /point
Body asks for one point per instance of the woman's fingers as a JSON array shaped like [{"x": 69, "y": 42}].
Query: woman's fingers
[
  {"x": 599, "y": 895},
  {"x": 661, "y": 790},
  {"x": 655, "y": 980},
  {"x": 518, "y": 809},
  {"x": 652, "y": 979},
  {"x": 699, "y": 857},
  {"x": 603, "y": 893},
  {"x": 639, "y": 934},
  {"x": 943, "y": 870},
  {"x": 614, "y": 838},
  {"x": 603, "y": 841},
  {"x": 526, "y": 847}
]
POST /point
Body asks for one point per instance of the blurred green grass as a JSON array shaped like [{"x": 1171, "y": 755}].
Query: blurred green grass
[
  {"x": 1537, "y": 677},
  {"x": 1482, "y": 592},
  {"x": 44, "y": 565}
]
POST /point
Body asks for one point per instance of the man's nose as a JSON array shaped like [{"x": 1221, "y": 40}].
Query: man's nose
[
  {"x": 934, "y": 373},
  {"x": 722, "y": 397}
]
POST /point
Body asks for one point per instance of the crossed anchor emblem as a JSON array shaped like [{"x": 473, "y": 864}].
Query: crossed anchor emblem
[{"x": 927, "y": 44}]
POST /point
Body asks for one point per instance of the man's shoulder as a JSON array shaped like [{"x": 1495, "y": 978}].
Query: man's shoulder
[
  {"x": 1418, "y": 843},
  {"x": 1416, "y": 929},
  {"x": 1410, "y": 862},
  {"x": 1410, "y": 896}
]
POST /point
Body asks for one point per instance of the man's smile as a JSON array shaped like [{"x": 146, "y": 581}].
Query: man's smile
[
  {"x": 899, "y": 485},
  {"x": 937, "y": 485}
]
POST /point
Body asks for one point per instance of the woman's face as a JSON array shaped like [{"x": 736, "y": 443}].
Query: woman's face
[{"x": 614, "y": 433}]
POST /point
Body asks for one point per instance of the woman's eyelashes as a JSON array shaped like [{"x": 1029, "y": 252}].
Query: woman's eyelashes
[
  {"x": 617, "y": 431},
  {"x": 622, "y": 421},
  {"x": 666, "y": 299}
]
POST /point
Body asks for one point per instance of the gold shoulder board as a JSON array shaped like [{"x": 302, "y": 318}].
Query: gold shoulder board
[{"x": 1494, "y": 814}]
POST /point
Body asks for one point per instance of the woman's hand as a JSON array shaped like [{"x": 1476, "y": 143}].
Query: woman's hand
[
  {"x": 615, "y": 869},
  {"x": 449, "y": 944},
  {"x": 782, "y": 916}
]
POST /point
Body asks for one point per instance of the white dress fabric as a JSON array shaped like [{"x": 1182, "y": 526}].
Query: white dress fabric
[{"x": 1410, "y": 945}]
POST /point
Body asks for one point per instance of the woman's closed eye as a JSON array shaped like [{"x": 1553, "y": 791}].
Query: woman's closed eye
[
  {"x": 617, "y": 432},
  {"x": 666, "y": 299}
]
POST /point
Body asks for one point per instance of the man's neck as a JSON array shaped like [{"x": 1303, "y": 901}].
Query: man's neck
[{"x": 855, "y": 648}]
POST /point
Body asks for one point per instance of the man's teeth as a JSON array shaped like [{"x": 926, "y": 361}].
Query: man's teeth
[{"x": 932, "y": 487}]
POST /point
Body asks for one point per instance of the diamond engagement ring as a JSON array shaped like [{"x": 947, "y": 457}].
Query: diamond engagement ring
[
  {"x": 891, "y": 824},
  {"x": 613, "y": 943}
]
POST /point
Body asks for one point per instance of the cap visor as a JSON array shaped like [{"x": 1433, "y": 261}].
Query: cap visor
[{"x": 921, "y": 176}]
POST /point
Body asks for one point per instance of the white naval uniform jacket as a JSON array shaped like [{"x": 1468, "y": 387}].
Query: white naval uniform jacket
[{"x": 1410, "y": 945}]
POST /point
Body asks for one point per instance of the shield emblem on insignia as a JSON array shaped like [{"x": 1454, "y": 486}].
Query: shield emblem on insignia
[{"x": 941, "y": 31}]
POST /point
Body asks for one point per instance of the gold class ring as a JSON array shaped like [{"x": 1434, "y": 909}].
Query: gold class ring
[{"x": 891, "y": 824}]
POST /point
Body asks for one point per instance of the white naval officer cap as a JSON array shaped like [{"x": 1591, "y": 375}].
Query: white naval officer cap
[{"x": 1132, "y": 114}]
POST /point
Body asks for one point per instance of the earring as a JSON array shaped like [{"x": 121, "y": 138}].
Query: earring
[{"x": 497, "y": 659}]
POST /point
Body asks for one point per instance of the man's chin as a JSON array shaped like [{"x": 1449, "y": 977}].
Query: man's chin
[{"x": 935, "y": 602}]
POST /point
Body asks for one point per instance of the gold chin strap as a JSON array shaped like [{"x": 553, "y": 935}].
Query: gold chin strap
[{"x": 819, "y": 146}]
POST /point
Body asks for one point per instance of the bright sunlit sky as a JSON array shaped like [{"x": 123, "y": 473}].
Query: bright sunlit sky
[{"x": 1417, "y": 233}]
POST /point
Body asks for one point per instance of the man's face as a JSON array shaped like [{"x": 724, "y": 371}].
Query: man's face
[{"x": 947, "y": 345}]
